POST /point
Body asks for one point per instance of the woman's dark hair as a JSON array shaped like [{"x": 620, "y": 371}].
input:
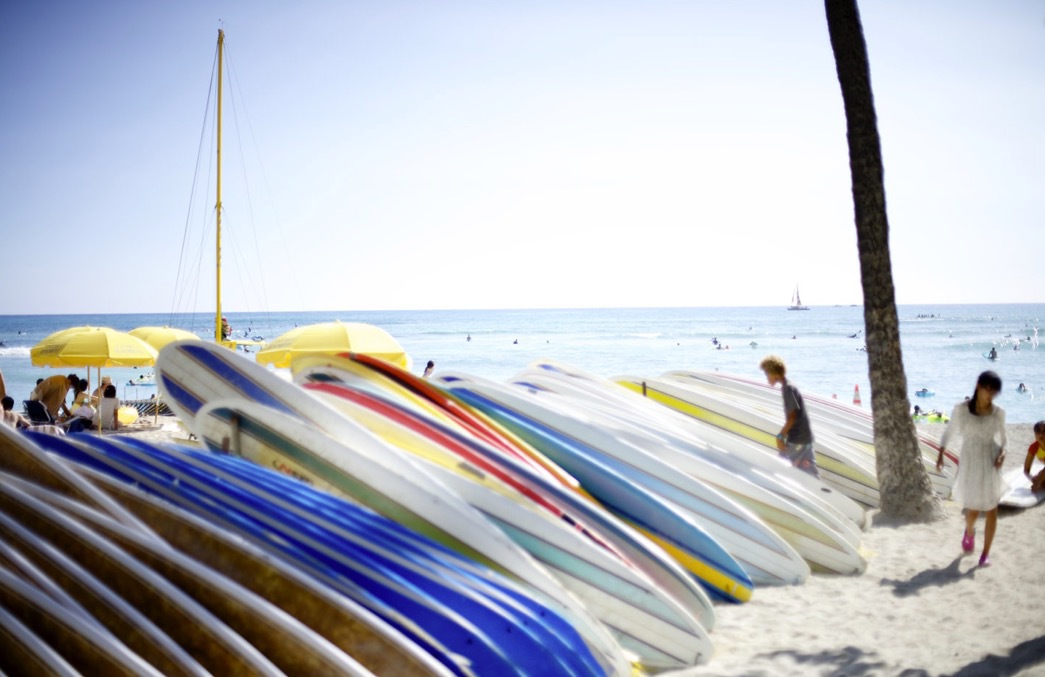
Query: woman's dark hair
[
  {"x": 110, "y": 391},
  {"x": 988, "y": 380},
  {"x": 82, "y": 385}
]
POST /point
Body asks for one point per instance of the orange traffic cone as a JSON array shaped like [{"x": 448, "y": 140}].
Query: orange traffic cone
[{"x": 856, "y": 395}]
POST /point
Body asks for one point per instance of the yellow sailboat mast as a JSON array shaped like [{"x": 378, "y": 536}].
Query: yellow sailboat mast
[{"x": 217, "y": 207}]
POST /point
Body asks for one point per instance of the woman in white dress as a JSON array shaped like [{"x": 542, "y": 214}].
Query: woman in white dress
[{"x": 979, "y": 485}]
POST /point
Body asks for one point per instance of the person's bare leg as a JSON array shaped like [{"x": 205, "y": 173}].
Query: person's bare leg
[
  {"x": 970, "y": 521},
  {"x": 969, "y": 537},
  {"x": 988, "y": 532}
]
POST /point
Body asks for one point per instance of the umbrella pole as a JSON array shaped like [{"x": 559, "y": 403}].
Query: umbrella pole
[{"x": 98, "y": 412}]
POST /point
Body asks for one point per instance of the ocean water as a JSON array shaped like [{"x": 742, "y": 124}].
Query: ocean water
[{"x": 943, "y": 345}]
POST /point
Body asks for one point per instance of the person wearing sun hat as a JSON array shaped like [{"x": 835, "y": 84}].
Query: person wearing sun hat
[{"x": 99, "y": 392}]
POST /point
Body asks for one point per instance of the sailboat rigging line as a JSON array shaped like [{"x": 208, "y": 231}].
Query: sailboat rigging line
[
  {"x": 236, "y": 95},
  {"x": 192, "y": 280},
  {"x": 179, "y": 288},
  {"x": 216, "y": 226},
  {"x": 242, "y": 269},
  {"x": 286, "y": 264},
  {"x": 233, "y": 89}
]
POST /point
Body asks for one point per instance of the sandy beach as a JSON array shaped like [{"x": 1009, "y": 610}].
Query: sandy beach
[{"x": 921, "y": 608}]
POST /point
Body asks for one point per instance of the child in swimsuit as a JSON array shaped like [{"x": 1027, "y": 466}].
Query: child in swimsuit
[{"x": 1036, "y": 448}]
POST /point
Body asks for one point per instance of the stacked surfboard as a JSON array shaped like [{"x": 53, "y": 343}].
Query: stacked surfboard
[
  {"x": 100, "y": 578},
  {"x": 557, "y": 523},
  {"x": 844, "y": 435}
]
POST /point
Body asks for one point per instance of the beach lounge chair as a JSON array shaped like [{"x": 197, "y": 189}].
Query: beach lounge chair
[
  {"x": 41, "y": 419},
  {"x": 148, "y": 407},
  {"x": 37, "y": 412}
]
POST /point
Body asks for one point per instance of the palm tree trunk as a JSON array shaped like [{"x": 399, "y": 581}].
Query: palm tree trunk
[{"x": 906, "y": 490}]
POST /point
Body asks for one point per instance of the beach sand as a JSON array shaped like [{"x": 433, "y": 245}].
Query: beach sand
[
  {"x": 156, "y": 429},
  {"x": 921, "y": 608}
]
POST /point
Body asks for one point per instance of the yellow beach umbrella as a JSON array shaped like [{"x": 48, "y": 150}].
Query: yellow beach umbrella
[
  {"x": 70, "y": 330},
  {"x": 331, "y": 338},
  {"x": 92, "y": 347},
  {"x": 157, "y": 337}
]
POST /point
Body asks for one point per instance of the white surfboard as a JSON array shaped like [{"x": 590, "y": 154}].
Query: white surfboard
[
  {"x": 192, "y": 374},
  {"x": 1019, "y": 494}
]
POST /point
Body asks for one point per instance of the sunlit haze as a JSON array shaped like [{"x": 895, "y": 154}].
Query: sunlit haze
[{"x": 403, "y": 155}]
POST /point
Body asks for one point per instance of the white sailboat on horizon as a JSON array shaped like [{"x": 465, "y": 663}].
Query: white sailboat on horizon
[{"x": 796, "y": 301}]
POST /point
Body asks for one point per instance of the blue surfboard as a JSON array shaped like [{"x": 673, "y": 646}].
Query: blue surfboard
[{"x": 450, "y": 611}]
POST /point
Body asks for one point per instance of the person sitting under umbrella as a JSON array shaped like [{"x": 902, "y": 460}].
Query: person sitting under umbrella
[
  {"x": 99, "y": 392},
  {"x": 109, "y": 409},
  {"x": 80, "y": 396}
]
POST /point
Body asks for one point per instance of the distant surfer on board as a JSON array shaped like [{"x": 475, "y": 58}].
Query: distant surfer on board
[{"x": 993, "y": 354}]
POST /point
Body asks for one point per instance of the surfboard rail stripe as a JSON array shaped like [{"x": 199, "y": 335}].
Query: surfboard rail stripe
[
  {"x": 274, "y": 527},
  {"x": 766, "y": 557},
  {"x": 709, "y": 570}
]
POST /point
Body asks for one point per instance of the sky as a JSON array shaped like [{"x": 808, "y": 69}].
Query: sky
[{"x": 439, "y": 155}]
